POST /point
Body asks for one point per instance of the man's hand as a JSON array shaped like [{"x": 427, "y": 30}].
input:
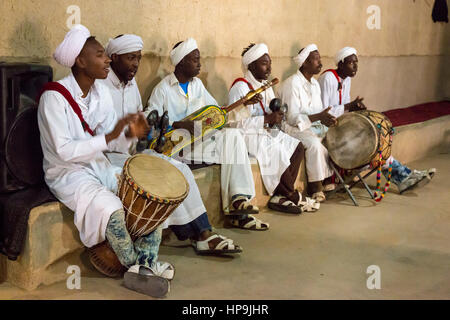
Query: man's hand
[
  {"x": 273, "y": 118},
  {"x": 120, "y": 125},
  {"x": 138, "y": 127},
  {"x": 255, "y": 99},
  {"x": 326, "y": 118},
  {"x": 356, "y": 105}
]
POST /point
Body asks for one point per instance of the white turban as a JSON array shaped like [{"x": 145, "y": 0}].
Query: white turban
[
  {"x": 303, "y": 55},
  {"x": 182, "y": 50},
  {"x": 253, "y": 54},
  {"x": 68, "y": 50},
  {"x": 124, "y": 44},
  {"x": 344, "y": 53}
]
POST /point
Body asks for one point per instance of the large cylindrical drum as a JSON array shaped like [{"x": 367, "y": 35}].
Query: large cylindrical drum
[{"x": 357, "y": 138}]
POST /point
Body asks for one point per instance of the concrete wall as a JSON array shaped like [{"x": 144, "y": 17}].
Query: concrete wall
[{"x": 405, "y": 62}]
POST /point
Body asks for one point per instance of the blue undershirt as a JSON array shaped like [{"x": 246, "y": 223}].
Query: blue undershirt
[{"x": 184, "y": 86}]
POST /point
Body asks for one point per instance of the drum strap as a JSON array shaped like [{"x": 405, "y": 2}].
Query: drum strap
[
  {"x": 251, "y": 88},
  {"x": 55, "y": 86},
  {"x": 339, "y": 83}
]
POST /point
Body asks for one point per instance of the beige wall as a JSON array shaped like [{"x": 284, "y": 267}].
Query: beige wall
[{"x": 403, "y": 63}]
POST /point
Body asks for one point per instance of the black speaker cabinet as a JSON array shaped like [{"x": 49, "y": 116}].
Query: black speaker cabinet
[{"x": 20, "y": 148}]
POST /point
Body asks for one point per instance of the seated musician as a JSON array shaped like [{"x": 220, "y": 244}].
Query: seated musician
[
  {"x": 180, "y": 94},
  {"x": 189, "y": 220},
  {"x": 335, "y": 87},
  {"x": 77, "y": 124},
  {"x": 279, "y": 155},
  {"x": 307, "y": 120}
]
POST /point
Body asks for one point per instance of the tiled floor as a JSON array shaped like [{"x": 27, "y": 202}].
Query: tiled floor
[{"x": 323, "y": 255}]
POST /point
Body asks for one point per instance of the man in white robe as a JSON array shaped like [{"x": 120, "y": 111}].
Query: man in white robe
[
  {"x": 306, "y": 118},
  {"x": 77, "y": 124},
  {"x": 182, "y": 93},
  {"x": 279, "y": 155},
  {"x": 335, "y": 89},
  {"x": 189, "y": 220}
]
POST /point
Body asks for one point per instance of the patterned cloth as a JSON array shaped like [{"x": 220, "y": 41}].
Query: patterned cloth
[
  {"x": 143, "y": 252},
  {"x": 399, "y": 172}
]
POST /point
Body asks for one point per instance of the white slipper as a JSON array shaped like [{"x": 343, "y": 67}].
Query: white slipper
[
  {"x": 143, "y": 280},
  {"x": 319, "y": 196},
  {"x": 309, "y": 205}
]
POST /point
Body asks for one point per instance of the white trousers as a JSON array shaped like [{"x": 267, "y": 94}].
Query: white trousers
[
  {"x": 273, "y": 149},
  {"x": 316, "y": 155},
  {"x": 226, "y": 147}
]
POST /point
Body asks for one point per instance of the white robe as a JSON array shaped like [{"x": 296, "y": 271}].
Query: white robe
[
  {"x": 76, "y": 169},
  {"x": 226, "y": 146},
  {"x": 272, "y": 148},
  {"x": 127, "y": 99},
  {"x": 330, "y": 94},
  {"x": 303, "y": 99}
]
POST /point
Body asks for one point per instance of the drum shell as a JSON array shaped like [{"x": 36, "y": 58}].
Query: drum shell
[
  {"x": 143, "y": 215},
  {"x": 357, "y": 138}
]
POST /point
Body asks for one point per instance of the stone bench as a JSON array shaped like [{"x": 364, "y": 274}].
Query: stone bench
[{"x": 52, "y": 241}]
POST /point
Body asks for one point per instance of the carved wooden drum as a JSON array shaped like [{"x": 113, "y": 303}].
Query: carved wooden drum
[{"x": 150, "y": 189}]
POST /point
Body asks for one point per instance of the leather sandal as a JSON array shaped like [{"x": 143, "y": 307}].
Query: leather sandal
[
  {"x": 283, "y": 204},
  {"x": 253, "y": 224},
  {"x": 223, "y": 247},
  {"x": 245, "y": 207}
]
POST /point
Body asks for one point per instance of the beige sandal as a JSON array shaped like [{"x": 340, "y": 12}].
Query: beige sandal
[
  {"x": 319, "y": 196},
  {"x": 245, "y": 207},
  {"x": 253, "y": 224}
]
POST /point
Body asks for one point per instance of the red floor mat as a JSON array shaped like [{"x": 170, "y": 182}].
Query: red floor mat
[{"x": 418, "y": 113}]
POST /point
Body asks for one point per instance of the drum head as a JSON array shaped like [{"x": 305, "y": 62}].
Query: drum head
[
  {"x": 23, "y": 153},
  {"x": 353, "y": 142},
  {"x": 157, "y": 176}
]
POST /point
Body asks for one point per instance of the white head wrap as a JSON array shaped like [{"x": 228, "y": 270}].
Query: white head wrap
[
  {"x": 253, "y": 54},
  {"x": 182, "y": 50},
  {"x": 344, "y": 53},
  {"x": 303, "y": 55},
  {"x": 68, "y": 50},
  {"x": 124, "y": 44}
]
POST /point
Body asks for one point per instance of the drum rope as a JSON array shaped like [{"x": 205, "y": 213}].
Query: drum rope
[
  {"x": 160, "y": 220},
  {"x": 388, "y": 182},
  {"x": 142, "y": 230},
  {"x": 139, "y": 215}
]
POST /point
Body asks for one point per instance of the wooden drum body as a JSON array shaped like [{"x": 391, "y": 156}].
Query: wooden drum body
[
  {"x": 150, "y": 189},
  {"x": 357, "y": 138}
]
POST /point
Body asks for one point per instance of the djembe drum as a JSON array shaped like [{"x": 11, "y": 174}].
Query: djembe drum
[
  {"x": 150, "y": 189},
  {"x": 358, "y": 138}
]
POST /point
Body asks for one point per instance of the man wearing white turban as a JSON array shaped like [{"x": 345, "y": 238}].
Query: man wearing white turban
[
  {"x": 307, "y": 120},
  {"x": 279, "y": 155},
  {"x": 335, "y": 87},
  {"x": 189, "y": 220},
  {"x": 77, "y": 124},
  {"x": 182, "y": 93}
]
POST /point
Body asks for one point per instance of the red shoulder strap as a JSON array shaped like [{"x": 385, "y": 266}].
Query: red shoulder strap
[
  {"x": 251, "y": 88},
  {"x": 56, "y": 86},
  {"x": 339, "y": 83}
]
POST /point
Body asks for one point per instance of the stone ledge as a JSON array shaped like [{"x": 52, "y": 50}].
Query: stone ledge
[
  {"x": 52, "y": 241},
  {"x": 51, "y": 244},
  {"x": 415, "y": 141}
]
